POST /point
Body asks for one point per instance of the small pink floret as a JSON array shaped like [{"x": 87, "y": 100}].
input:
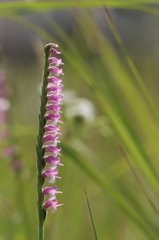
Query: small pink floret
[
  {"x": 53, "y": 107},
  {"x": 52, "y": 149},
  {"x": 55, "y": 89},
  {"x": 53, "y": 161},
  {"x": 54, "y": 80},
  {"x": 55, "y": 98},
  {"x": 51, "y": 205},
  {"x": 50, "y": 138},
  {"x": 52, "y": 117},
  {"x": 54, "y": 51},
  {"x": 50, "y": 191},
  {"x": 53, "y": 129},
  {"x": 57, "y": 71},
  {"x": 55, "y": 61},
  {"x": 51, "y": 175},
  {"x": 53, "y": 45}
]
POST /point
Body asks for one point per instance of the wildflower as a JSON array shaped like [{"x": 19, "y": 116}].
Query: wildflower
[
  {"x": 53, "y": 107},
  {"x": 16, "y": 164},
  {"x": 55, "y": 61},
  {"x": 53, "y": 161},
  {"x": 51, "y": 174},
  {"x": 51, "y": 205},
  {"x": 4, "y": 106},
  {"x": 53, "y": 117},
  {"x": 51, "y": 192},
  {"x": 81, "y": 108},
  {"x": 51, "y": 130},
  {"x": 54, "y": 80},
  {"x": 56, "y": 71},
  {"x": 10, "y": 151},
  {"x": 51, "y": 138},
  {"x": 54, "y": 51},
  {"x": 53, "y": 149},
  {"x": 69, "y": 97}
]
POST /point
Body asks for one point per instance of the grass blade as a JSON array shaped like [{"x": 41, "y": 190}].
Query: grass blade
[
  {"x": 137, "y": 178},
  {"x": 91, "y": 215},
  {"x": 131, "y": 64}
]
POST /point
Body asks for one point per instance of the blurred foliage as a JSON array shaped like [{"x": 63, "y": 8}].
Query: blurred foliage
[{"x": 122, "y": 182}]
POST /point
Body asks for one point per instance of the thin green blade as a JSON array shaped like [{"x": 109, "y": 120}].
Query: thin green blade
[{"x": 91, "y": 215}]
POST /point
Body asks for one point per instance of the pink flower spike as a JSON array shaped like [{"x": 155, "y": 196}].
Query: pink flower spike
[
  {"x": 51, "y": 205},
  {"x": 50, "y": 191},
  {"x": 51, "y": 174},
  {"x": 48, "y": 148},
  {"x": 56, "y": 61},
  {"x": 54, "y": 80},
  {"x": 54, "y": 51},
  {"x": 57, "y": 71}
]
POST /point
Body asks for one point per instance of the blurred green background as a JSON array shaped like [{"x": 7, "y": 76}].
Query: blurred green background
[{"x": 110, "y": 133}]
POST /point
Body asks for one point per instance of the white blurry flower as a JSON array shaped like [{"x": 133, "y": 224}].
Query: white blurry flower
[
  {"x": 4, "y": 104},
  {"x": 83, "y": 108},
  {"x": 69, "y": 96}
]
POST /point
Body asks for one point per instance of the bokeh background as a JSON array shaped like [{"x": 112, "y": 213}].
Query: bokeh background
[{"x": 110, "y": 133}]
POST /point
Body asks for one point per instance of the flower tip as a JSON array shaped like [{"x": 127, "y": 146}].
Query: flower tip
[
  {"x": 54, "y": 45},
  {"x": 61, "y": 164}
]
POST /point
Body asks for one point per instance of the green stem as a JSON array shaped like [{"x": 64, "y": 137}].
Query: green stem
[{"x": 39, "y": 148}]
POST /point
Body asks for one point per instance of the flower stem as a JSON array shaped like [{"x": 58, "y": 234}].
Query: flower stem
[{"x": 39, "y": 147}]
